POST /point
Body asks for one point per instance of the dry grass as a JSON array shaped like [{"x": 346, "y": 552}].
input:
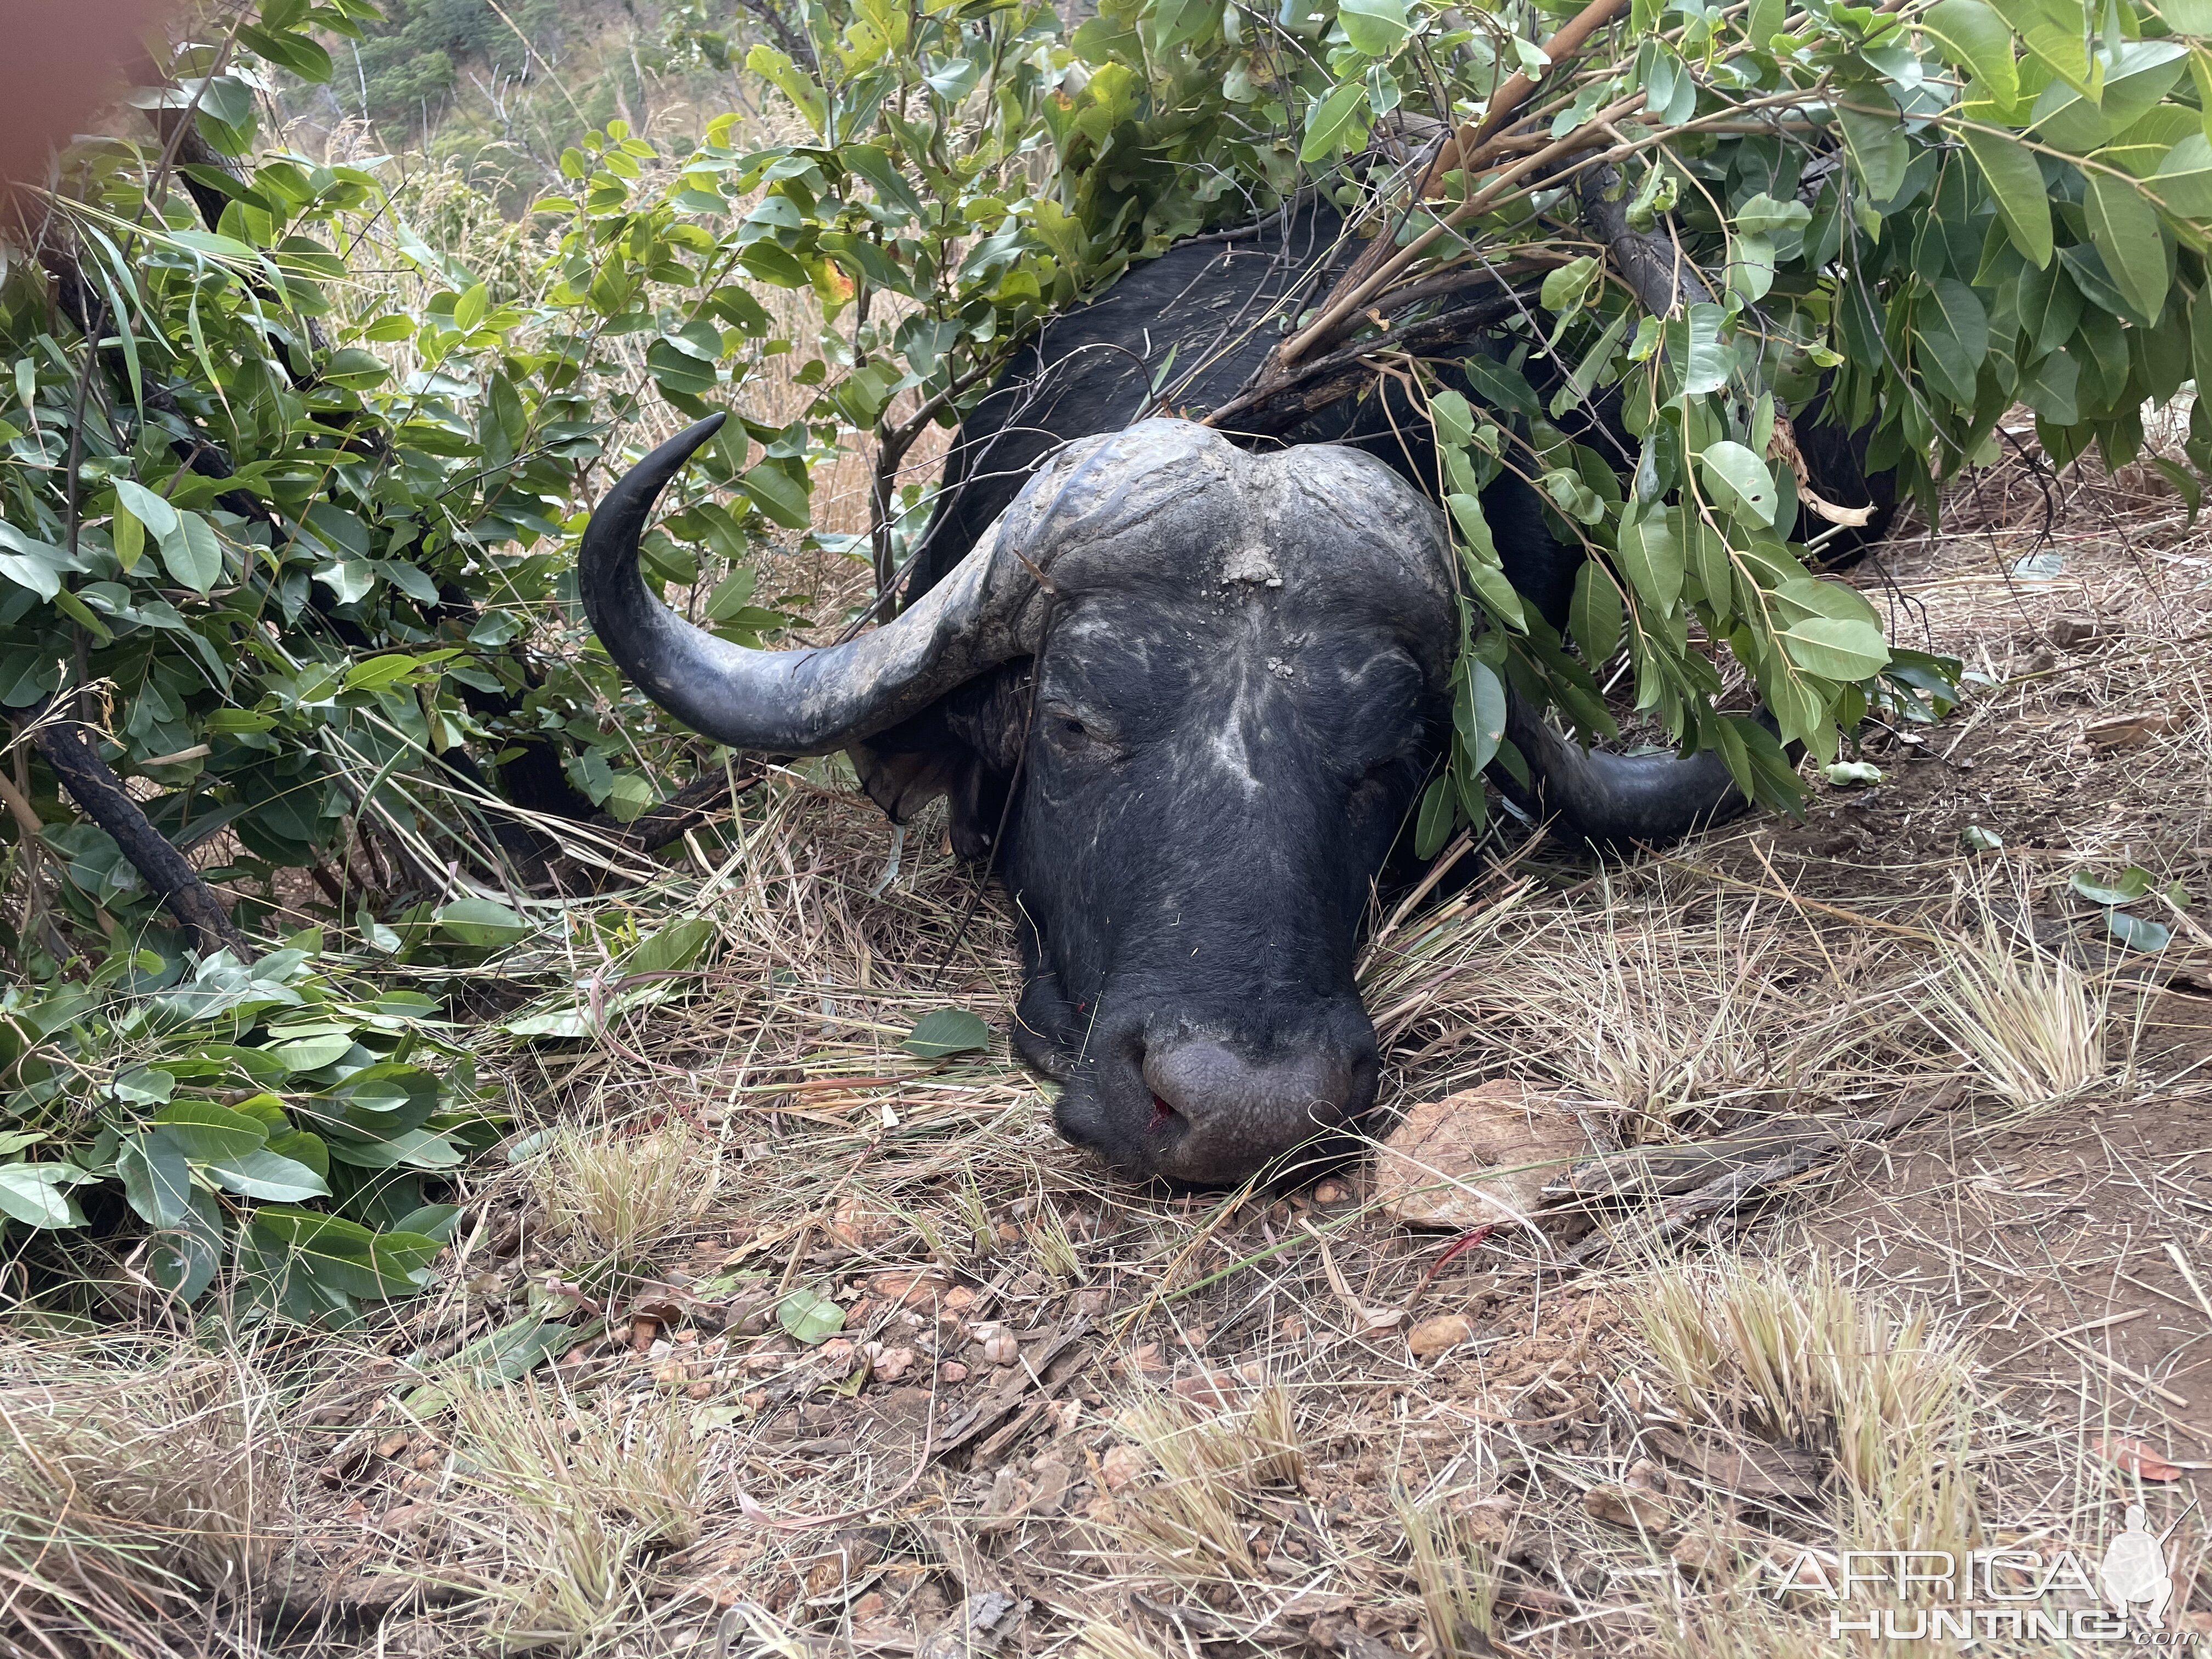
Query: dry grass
[
  {"x": 624, "y": 1196},
  {"x": 1197, "y": 1424},
  {"x": 1456, "y": 1580},
  {"x": 1794, "y": 1356},
  {"x": 136, "y": 1484},
  {"x": 571, "y": 1505},
  {"x": 2030, "y": 1024}
]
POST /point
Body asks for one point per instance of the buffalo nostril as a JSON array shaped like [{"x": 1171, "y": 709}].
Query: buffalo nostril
[{"x": 1163, "y": 1114}]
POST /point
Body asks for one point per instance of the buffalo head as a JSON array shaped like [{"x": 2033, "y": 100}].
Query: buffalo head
[{"x": 1198, "y": 688}]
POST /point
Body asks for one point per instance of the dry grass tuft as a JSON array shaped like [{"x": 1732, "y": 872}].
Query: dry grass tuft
[
  {"x": 1104, "y": 1641},
  {"x": 1794, "y": 1355},
  {"x": 581, "y": 1500},
  {"x": 1189, "y": 1517},
  {"x": 2032, "y": 1023},
  {"x": 123, "y": 1487},
  {"x": 1456, "y": 1578},
  {"x": 625, "y": 1195}
]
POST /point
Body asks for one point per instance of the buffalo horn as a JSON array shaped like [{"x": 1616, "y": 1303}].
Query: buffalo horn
[
  {"x": 817, "y": 699},
  {"x": 1615, "y": 799}
]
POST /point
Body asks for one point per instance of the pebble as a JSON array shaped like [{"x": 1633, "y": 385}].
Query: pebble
[{"x": 1434, "y": 1336}]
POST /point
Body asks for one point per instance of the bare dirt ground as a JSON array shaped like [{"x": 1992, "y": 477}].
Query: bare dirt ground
[{"x": 845, "y": 1354}]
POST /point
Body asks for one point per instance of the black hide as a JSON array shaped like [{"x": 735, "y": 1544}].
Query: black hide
[{"x": 1203, "y": 791}]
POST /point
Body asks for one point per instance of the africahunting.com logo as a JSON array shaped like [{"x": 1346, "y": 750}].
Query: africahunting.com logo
[{"x": 2124, "y": 1596}]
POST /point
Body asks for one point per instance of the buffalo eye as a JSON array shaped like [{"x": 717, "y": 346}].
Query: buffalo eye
[{"x": 1067, "y": 730}]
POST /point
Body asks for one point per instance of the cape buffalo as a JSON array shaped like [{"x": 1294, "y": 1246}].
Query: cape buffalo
[{"x": 1198, "y": 684}]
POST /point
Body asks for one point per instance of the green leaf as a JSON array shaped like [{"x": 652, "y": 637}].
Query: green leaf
[
  {"x": 1952, "y": 332},
  {"x": 2125, "y": 228},
  {"x": 268, "y": 1174},
  {"x": 2139, "y": 933},
  {"x": 1761, "y": 215},
  {"x": 483, "y": 922},
  {"x": 2124, "y": 889},
  {"x": 1331, "y": 121},
  {"x": 676, "y": 946},
  {"x": 1376, "y": 29},
  {"x": 192, "y": 554},
  {"x": 312, "y": 1053},
  {"x": 1847, "y": 774},
  {"x": 1973, "y": 38},
  {"x": 1738, "y": 481},
  {"x": 1651, "y": 559},
  {"x": 37, "y": 1194},
  {"x": 405, "y": 1149},
  {"x": 1594, "y": 614},
  {"x": 33, "y": 564},
  {"x": 1835, "y": 649},
  {"x": 508, "y": 1355},
  {"x": 1976, "y": 839},
  {"x": 1566, "y": 287},
  {"x": 470, "y": 308},
  {"x": 1478, "y": 712},
  {"x": 156, "y": 1181},
  {"x": 341, "y": 1255},
  {"x": 2186, "y": 16},
  {"x": 808, "y": 1317},
  {"x": 2183, "y": 178},
  {"x": 1454, "y": 419},
  {"x": 206, "y": 1133},
  {"x": 678, "y": 371},
  {"x": 2015, "y": 184},
  {"x": 1432, "y": 825},
  {"x": 946, "y": 1031},
  {"x": 1695, "y": 349},
  {"x": 777, "y": 493},
  {"x": 2052, "y": 389},
  {"x": 182, "y": 1259},
  {"x": 149, "y": 509},
  {"x": 144, "y": 1085},
  {"x": 1879, "y": 154}
]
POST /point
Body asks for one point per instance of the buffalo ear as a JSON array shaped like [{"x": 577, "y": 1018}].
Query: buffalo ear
[{"x": 963, "y": 748}]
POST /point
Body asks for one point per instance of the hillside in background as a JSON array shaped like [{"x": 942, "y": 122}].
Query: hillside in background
[{"x": 499, "y": 87}]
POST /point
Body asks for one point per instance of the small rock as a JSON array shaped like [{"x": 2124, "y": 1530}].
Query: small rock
[
  {"x": 1010, "y": 1493},
  {"x": 892, "y": 1363},
  {"x": 1121, "y": 1465},
  {"x": 1628, "y": 1507},
  {"x": 952, "y": 1372},
  {"x": 1481, "y": 1156},
  {"x": 912, "y": 1289},
  {"x": 1330, "y": 1192},
  {"x": 2070, "y": 632},
  {"x": 1488, "y": 1520},
  {"x": 1214, "y": 1390},
  {"x": 1433, "y": 1336},
  {"x": 1702, "y": 1555},
  {"x": 1001, "y": 1349}
]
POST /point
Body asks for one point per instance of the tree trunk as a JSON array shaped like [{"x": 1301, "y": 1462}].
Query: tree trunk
[{"x": 70, "y": 750}]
